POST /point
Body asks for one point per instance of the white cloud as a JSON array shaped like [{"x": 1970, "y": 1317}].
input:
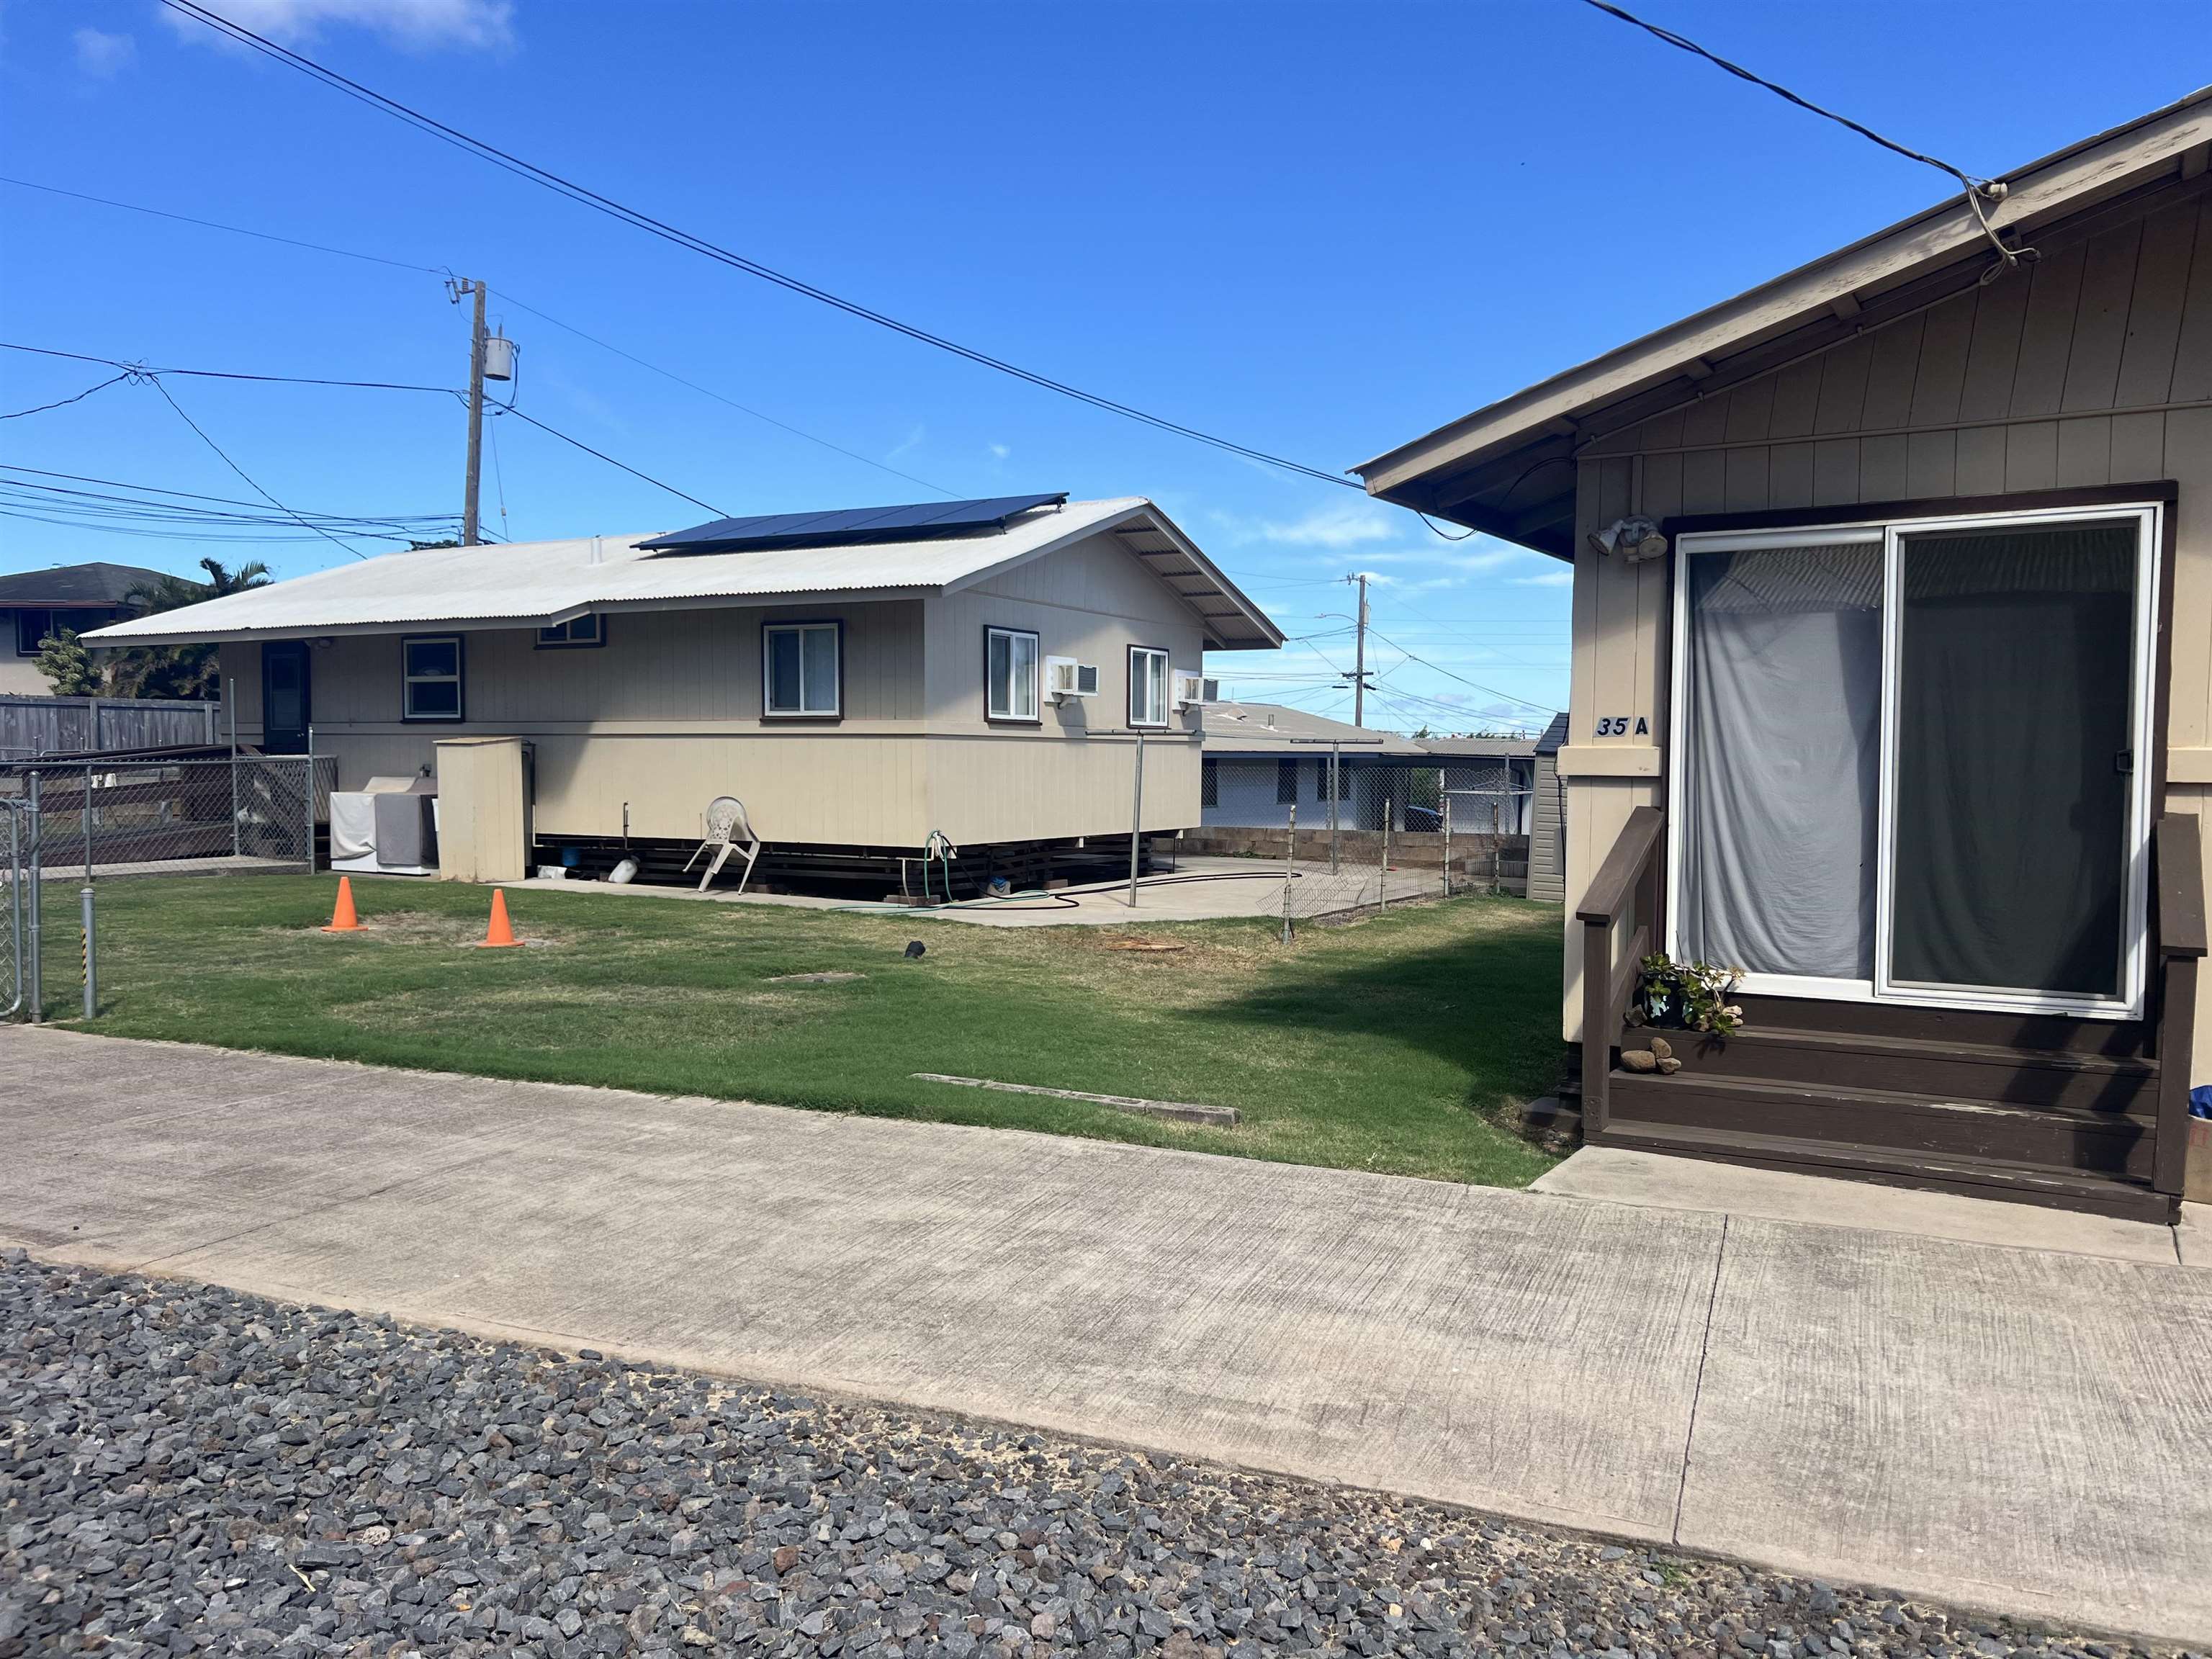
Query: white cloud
[
  {"x": 1347, "y": 523},
  {"x": 419, "y": 25},
  {"x": 102, "y": 55},
  {"x": 1546, "y": 579},
  {"x": 911, "y": 440},
  {"x": 999, "y": 452}
]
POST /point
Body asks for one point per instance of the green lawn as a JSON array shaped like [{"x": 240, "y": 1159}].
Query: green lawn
[{"x": 1390, "y": 1044}]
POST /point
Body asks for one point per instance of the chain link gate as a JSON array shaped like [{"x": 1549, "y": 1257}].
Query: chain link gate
[{"x": 18, "y": 914}]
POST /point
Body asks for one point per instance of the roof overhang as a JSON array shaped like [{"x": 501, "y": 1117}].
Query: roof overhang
[
  {"x": 1232, "y": 621},
  {"x": 1509, "y": 469}
]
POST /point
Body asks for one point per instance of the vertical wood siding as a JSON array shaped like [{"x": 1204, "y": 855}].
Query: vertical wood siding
[{"x": 2067, "y": 374}]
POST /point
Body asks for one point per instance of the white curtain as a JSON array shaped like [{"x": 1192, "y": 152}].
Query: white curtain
[{"x": 1784, "y": 690}]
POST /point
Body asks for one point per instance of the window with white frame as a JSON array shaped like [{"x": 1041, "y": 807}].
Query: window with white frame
[
  {"x": 801, "y": 674},
  {"x": 430, "y": 678},
  {"x": 577, "y": 633},
  {"x": 1148, "y": 686},
  {"x": 1009, "y": 674}
]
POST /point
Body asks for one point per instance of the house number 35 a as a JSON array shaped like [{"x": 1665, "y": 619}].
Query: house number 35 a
[{"x": 1619, "y": 726}]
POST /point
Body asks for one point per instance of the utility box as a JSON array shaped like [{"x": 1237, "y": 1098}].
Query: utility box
[{"x": 484, "y": 809}]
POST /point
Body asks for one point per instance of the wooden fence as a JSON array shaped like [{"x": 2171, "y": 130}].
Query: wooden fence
[{"x": 32, "y": 726}]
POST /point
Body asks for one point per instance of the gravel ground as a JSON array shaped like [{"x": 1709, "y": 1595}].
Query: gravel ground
[{"x": 191, "y": 1468}]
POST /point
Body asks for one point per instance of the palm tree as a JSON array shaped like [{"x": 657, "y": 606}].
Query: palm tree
[{"x": 177, "y": 671}]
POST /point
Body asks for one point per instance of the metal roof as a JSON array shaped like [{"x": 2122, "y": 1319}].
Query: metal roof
[
  {"x": 1271, "y": 728},
  {"x": 1478, "y": 747},
  {"x": 75, "y": 584},
  {"x": 853, "y": 526},
  {"x": 1508, "y": 468},
  {"x": 531, "y": 584}
]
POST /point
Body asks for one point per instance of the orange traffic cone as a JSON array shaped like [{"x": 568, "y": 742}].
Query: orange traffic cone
[
  {"x": 501, "y": 933},
  {"x": 342, "y": 919}
]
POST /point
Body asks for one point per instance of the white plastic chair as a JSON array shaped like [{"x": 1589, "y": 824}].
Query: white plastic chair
[{"x": 728, "y": 830}]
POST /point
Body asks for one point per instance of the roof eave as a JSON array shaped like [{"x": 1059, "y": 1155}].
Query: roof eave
[{"x": 2104, "y": 163}]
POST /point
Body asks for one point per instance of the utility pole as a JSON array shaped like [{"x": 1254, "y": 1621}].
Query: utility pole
[
  {"x": 1359, "y": 655},
  {"x": 461, "y": 286}
]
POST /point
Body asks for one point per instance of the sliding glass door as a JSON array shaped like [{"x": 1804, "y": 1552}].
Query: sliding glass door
[{"x": 1908, "y": 759}]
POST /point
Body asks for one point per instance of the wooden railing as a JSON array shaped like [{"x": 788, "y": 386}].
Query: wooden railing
[
  {"x": 2178, "y": 870},
  {"x": 1630, "y": 875}
]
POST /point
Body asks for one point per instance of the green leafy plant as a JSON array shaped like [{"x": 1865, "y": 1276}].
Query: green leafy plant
[
  {"x": 67, "y": 665},
  {"x": 1688, "y": 996}
]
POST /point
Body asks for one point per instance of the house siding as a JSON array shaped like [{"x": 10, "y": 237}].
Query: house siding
[
  {"x": 641, "y": 733},
  {"x": 2091, "y": 367}
]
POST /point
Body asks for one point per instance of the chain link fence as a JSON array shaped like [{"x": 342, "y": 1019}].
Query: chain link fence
[
  {"x": 18, "y": 914},
  {"x": 166, "y": 815},
  {"x": 1334, "y": 873}
]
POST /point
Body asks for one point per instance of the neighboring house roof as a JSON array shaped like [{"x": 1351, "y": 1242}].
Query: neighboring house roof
[
  {"x": 1554, "y": 736},
  {"x": 1480, "y": 748},
  {"x": 74, "y": 584},
  {"x": 1509, "y": 467},
  {"x": 531, "y": 584},
  {"x": 1270, "y": 728}
]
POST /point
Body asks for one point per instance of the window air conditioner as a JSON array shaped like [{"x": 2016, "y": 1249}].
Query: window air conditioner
[
  {"x": 1064, "y": 677},
  {"x": 1191, "y": 689}
]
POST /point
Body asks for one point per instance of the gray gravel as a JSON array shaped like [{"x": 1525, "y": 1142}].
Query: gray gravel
[{"x": 185, "y": 1468}]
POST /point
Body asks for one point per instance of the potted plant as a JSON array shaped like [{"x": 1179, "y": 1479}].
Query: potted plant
[{"x": 1687, "y": 996}]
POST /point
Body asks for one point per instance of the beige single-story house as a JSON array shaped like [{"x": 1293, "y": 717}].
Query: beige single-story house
[
  {"x": 985, "y": 672},
  {"x": 34, "y": 603},
  {"x": 1892, "y": 685}
]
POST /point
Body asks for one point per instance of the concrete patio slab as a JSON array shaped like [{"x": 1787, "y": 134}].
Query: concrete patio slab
[
  {"x": 1879, "y": 1407},
  {"x": 1620, "y": 1175},
  {"x": 2193, "y": 1238},
  {"x": 2027, "y": 1429}
]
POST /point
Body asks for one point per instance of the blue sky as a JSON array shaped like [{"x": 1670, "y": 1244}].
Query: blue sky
[{"x": 1320, "y": 229}]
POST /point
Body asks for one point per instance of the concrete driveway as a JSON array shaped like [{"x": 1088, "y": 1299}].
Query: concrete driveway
[{"x": 2011, "y": 1428}]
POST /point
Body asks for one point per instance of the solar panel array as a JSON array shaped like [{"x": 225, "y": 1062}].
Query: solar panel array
[{"x": 853, "y": 526}]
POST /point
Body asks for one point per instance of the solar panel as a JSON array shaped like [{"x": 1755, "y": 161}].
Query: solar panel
[{"x": 852, "y": 525}]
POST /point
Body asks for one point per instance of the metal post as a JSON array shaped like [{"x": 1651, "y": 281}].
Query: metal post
[
  {"x": 1136, "y": 828},
  {"x": 34, "y": 873},
  {"x": 310, "y": 807},
  {"x": 1335, "y": 793},
  {"x": 1444, "y": 801},
  {"x": 15, "y": 901},
  {"x": 1290, "y": 871},
  {"x": 91, "y": 957},
  {"x": 86, "y": 814},
  {"x": 236, "y": 845},
  {"x": 1383, "y": 887}
]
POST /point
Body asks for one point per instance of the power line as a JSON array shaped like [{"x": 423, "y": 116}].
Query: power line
[
  {"x": 580, "y": 444},
  {"x": 638, "y": 220},
  {"x": 225, "y": 501},
  {"x": 154, "y": 376},
  {"x": 64, "y": 403},
  {"x": 507, "y": 297},
  {"x": 1683, "y": 43},
  {"x": 1488, "y": 690},
  {"x": 235, "y": 230},
  {"x": 169, "y": 398}
]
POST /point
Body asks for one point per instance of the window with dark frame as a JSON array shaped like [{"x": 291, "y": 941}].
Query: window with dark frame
[
  {"x": 577, "y": 634},
  {"x": 430, "y": 678},
  {"x": 802, "y": 670},
  {"x": 1010, "y": 663},
  {"x": 1148, "y": 686},
  {"x": 32, "y": 626}
]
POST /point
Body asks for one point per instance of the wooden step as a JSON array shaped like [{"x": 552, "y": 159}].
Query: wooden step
[
  {"x": 1979, "y": 1026},
  {"x": 1914, "y": 1122},
  {"x": 2127, "y": 1197},
  {"x": 1944, "y": 1068}
]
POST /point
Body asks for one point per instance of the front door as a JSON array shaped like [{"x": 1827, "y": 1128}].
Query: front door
[
  {"x": 285, "y": 705},
  {"x": 1911, "y": 759}
]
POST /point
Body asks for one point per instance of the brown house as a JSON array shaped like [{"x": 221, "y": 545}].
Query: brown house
[{"x": 1892, "y": 684}]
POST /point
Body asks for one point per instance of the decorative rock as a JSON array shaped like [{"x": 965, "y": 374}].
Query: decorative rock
[
  {"x": 1661, "y": 1048},
  {"x": 1640, "y": 1059},
  {"x": 1668, "y": 1064},
  {"x": 175, "y": 1458}
]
